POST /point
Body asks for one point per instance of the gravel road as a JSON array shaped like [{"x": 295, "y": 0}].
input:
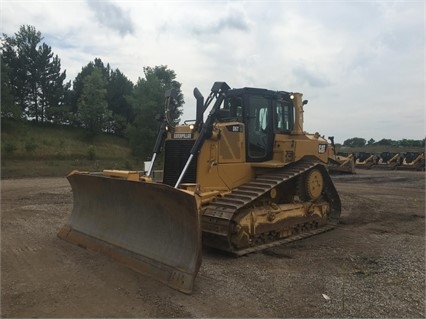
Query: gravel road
[{"x": 372, "y": 265}]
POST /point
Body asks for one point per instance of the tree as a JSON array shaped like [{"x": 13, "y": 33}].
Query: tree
[
  {"x": 9, "y": 109},
  {"x": 385, "y": 141},
  {"x": 119, "y": 90},
  {"x": 54, "y": 95},
  {"x": 167, "y": 81},
  {"x": 20, "y": 54},
  {"x": 78, "y": 82},
  {"x": 93, "y": 106},
  {"x": 354, "y": 142},
  {"x": 147, "y": 101},
  {"x": 411, "y": 143},
  {"x": 36, "y": 81},
  {"x": 371, "y": 141}
]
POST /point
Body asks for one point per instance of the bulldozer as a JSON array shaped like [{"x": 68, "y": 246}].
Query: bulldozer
[
  {"x": 365, "y": 160},
  {"x": 340, "y": 163},
  {"x": 412, "y": 161},
  {"x": 242, "y": 178},
  {"x": 387, "y": 160}
]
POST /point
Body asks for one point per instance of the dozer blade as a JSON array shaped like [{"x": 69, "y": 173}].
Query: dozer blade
[{"x": 151, "y": 228}]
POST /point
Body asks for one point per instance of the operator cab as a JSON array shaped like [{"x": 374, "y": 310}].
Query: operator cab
[{"x": 264, "y": 113}]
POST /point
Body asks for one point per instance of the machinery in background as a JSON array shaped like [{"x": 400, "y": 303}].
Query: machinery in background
[
  {"x": 340, "y": 163},
  {"x": 365, "y": 160},
  {"x": 413, "y": 161},
  {"x": 387, "y": 160}
]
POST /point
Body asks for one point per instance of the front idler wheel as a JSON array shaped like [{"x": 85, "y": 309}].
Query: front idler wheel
[{"x": 310, "y": 185}]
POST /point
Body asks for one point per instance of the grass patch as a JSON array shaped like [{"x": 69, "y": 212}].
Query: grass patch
[
  {"x": 31, "y": 142},
  {"x": 56, "y": 168},
  {"x": 30, "y": 150}
]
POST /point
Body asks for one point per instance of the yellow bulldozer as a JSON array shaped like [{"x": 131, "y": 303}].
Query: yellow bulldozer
[
  {"x": 387, "y": 160},
  {"x": 365, "y": 160},
  {"x": 340, "y": 163},
  {"x": 413, "y": 161},
  {"x": 242, "y": 178}
]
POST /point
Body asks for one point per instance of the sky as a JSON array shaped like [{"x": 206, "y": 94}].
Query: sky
[{"x": 361, "y": 64}]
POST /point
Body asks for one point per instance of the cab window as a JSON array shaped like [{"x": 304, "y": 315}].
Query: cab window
[
  {"x": 283, "y": 117},
  {"x": 234, "y": 107}
]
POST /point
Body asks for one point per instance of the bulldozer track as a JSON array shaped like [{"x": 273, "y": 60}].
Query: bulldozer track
[
  {"x": 218, "y": 215},
  {"x": 285, "y": 240}
]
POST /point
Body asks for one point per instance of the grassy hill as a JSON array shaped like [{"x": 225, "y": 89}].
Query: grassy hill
[{"x": 30, "y": 150}]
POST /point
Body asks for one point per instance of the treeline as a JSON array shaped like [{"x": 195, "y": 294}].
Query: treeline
[
  {"x": 359, "y": 142},
  {"x": 100, "y": 98}
]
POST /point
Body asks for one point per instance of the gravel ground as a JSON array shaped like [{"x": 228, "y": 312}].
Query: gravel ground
[{"x": 372, "y": 265}]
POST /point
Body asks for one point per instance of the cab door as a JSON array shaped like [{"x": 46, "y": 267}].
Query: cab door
[{"x": 260, "y": 136}]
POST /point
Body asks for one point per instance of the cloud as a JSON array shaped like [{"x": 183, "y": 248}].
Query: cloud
[
  {"x": 112, "y": 16},
  {"x": 233, "y": 21},
  {"x": 192, "y": 20},
  {"x": 314, "y": 79}
]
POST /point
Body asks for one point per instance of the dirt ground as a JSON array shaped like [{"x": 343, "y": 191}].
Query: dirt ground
[{"x": 372, "y": 265}]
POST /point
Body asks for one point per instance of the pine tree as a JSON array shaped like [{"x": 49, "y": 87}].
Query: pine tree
[
  {"x": 35, "y": 78},
  {"x": 9, "y": 109},
  {"x": 92, "y": 105}
]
